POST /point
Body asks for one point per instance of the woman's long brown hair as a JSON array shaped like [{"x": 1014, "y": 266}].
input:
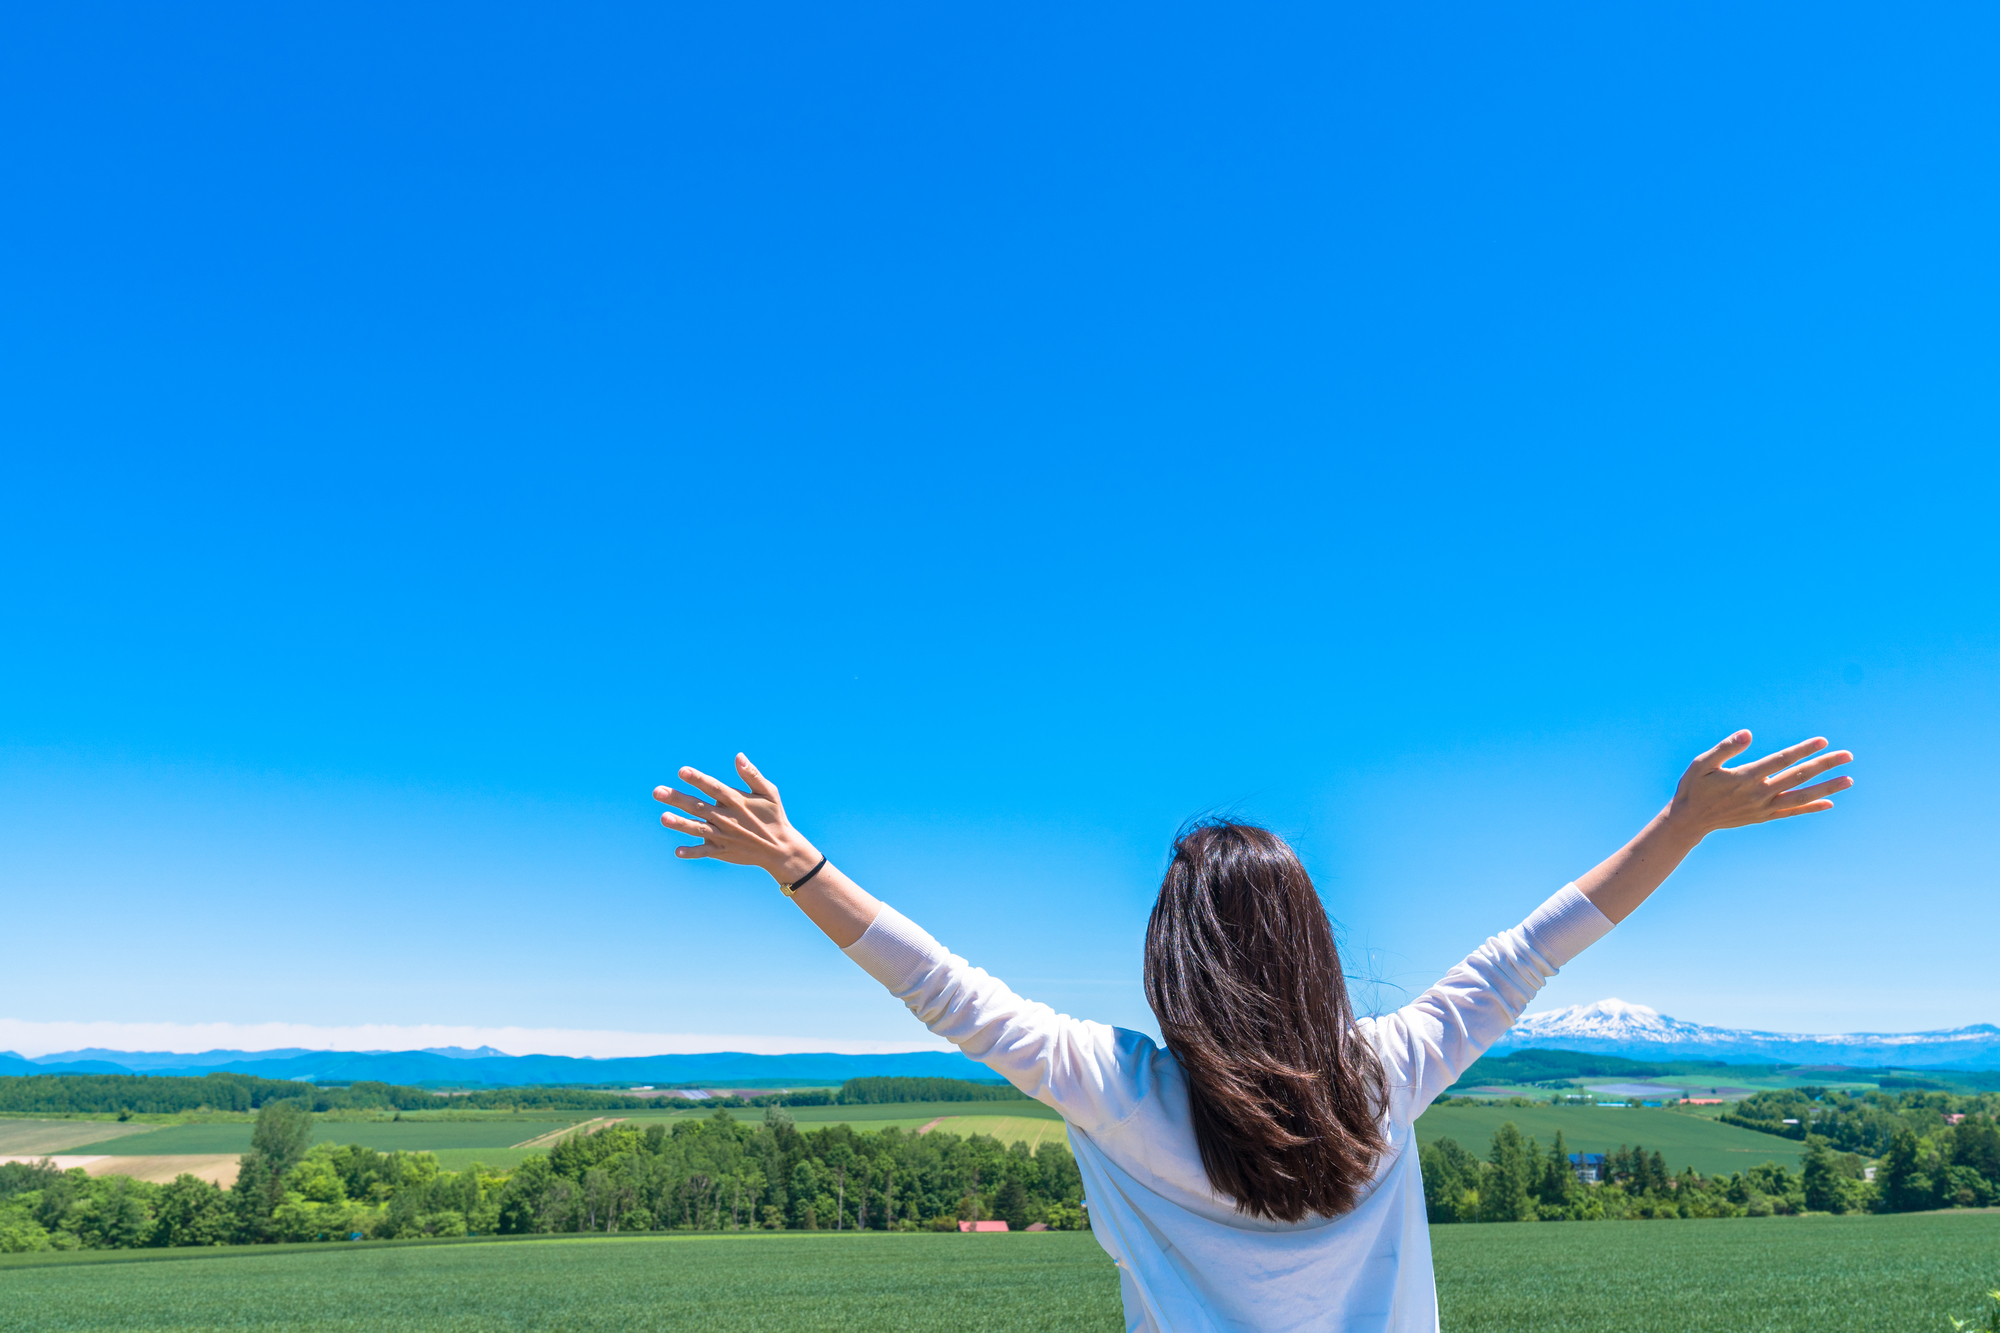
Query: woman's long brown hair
[{"x": 1243, "y": 975}]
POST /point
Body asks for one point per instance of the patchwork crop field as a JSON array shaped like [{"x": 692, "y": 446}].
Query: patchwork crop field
[
  {"x": 1771, "y": 1275},
  {"x": 31, "y": 1137},
  {"x": 1684, "y": 1140}
]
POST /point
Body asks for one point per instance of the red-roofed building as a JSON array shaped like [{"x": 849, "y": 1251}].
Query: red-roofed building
[{"x": 982, "y": 1226}]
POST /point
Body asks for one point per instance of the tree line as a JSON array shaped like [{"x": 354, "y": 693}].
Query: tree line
[
  {"x": 168, "y": 1094},
  {"x": 896, "y": 1089},
  {"x": 709, "y": 1174}
]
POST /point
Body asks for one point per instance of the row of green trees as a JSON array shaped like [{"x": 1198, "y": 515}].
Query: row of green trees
[
  {"x": 877, "y": 1091},
  {"x": 723, "y": 1174},
  {"x": 166, "y": 1094},
  {"x": 710, "y": 1174}
]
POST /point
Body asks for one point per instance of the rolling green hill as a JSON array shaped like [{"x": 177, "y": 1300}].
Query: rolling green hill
[{"x": 1684, "y": 1140}]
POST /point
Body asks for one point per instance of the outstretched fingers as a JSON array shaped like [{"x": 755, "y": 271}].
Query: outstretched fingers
[
  {"x": 1809, "y": 808},
  {"x": 682, "y": 824},
  {"x": 1814, "y": 793},
  {"x": 1785, "y": 758},
  {"x": 758, "y": 783},
  {"x": 694, "y": 805},
  {"x": 1735, "y": 743},
  {"x": 715, "y": 789},
  {"x": 1792, "y": 777}
]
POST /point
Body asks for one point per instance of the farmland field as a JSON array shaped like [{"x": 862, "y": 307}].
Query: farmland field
[
  {"x": 382, "y": 1135},
  {"x": 1771, "y": 1275},
  {"x": 1684, "y": 1140}
]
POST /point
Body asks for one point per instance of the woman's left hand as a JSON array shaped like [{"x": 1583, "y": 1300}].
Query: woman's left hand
[{"x": 745, "y": 828}]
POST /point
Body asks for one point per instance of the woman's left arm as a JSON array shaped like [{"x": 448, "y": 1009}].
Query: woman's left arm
[
  {"x": 1711, "y": 797},
  {"x": 1430, "y": 1042}
]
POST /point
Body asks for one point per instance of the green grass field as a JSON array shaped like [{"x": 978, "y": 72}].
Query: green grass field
[
  {"x": 1684, "y": 1140},
  {"x": 1772, "y": 1275}
]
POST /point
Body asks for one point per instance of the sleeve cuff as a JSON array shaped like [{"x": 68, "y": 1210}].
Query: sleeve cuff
[
  {"x": 1560, "y": 928},
  {"x": 894, "y": 949}
]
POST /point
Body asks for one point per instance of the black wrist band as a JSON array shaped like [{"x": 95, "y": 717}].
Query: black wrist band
[{"x": 797, "y": 884}]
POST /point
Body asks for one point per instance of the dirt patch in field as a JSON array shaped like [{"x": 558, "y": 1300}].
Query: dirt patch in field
[
  {"x": 587, "y": 1127},
  {"x": 216, "y": 1168}
]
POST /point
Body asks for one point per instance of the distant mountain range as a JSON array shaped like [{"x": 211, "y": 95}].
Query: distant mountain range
[
  {"x": 1614, "y": 1027},
  {"x": 1608, "y": 1027},
  {"x": 457, "y": 1066}
]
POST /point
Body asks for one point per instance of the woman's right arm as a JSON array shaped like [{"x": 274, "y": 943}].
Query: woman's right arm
[{"x": 1062, "y": 1062}]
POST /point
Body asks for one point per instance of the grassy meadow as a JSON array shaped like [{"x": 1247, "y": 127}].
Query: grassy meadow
[
  {"x": 1684, "y": 1140},
  {"x": 1774, "y": 1275}
]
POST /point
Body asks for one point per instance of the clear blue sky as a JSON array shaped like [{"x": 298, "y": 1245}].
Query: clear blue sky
[{"x": 1020, "y": 429}]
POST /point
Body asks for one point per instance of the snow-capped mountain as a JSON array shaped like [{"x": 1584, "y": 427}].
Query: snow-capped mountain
[{"x": 1615, "y": 1027}]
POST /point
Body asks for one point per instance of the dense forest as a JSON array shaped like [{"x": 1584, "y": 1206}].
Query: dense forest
[
  {"x": 1555, "y": 1069},
  {"x": 714, "y": 1173}
]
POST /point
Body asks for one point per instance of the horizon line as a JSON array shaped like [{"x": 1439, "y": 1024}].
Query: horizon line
[{"x": 34, "y": 1040}]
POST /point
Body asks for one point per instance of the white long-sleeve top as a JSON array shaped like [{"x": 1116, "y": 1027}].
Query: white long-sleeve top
[{"x": 1188, "y": 1261}]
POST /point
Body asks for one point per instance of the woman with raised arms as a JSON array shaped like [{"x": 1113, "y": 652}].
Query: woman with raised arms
[{"x": 1259, "y": 1172}]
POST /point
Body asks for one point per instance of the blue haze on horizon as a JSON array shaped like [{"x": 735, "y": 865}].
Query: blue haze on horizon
[{"x": 1020, "y": 431}]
